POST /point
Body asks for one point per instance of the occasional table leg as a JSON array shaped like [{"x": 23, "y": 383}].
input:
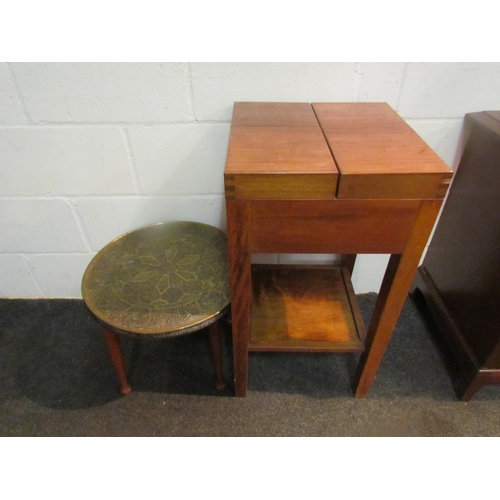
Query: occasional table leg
[
  {"x": 394, "y": 290},
  {"x": 216, "y": 348},
  {"x": 238, "y": 224},
  {"x": 115, "y": 351},
  {"x": 348, "y": 261}
]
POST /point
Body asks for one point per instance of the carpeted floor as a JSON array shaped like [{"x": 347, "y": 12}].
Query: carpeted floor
[{"x": 56, "y": 380}]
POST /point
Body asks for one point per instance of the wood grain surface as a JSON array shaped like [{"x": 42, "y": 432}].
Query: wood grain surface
[
  {"x": 277, "y": 150},
  {"x": 302, "y": 308},
  {"x": 346, "y": 226},
  {"x": 346, "y": 178},
  {"x": 378, "y": 154}
]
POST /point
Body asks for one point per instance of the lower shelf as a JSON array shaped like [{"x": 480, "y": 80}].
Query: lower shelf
[{"x": 304, "y": 308}]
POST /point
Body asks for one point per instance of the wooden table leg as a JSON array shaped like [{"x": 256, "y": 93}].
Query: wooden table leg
[
  {"x": 115, "y": 351},
  {"x": 394, "y": 290},
  {"x": 348, "y": 261},
  {"x": 238, "y": 224},
  {"x": 216, "y": 349},
  {"x": 467, "y": 388}
]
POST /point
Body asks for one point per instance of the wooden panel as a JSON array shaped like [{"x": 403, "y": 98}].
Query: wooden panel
[
  {"x": 337, "y": 226},
  {"x": 472, "y": 376},
  {"x": 445, "y": 322},
  {"x": 269, "y": 150},
  {"x": 393, "y": 186},
  {"x": 281, "y": 186},
  {"x": 303, "y": 308},
  {"x": 357, "y": 116},
  {"x": 463, "y": 258},
  {"x": 274, "y": 139},
  {"x": 273, "y": 114},
  {"x": 375, "y": 150}
]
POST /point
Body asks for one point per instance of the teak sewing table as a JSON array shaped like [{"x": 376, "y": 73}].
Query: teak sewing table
[{"x": 324, "y": 178}]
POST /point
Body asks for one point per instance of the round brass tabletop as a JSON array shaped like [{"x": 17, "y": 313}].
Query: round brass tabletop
[{"x": 166, "y": 279}]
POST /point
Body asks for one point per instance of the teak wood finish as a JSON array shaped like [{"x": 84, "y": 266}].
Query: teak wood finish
[
  {"x": 304, "y": 308},
  {"x": 343, "y": 178}
]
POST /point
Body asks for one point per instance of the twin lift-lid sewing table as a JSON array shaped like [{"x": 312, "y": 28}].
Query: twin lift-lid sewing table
[{"x": 324, "y": 178}]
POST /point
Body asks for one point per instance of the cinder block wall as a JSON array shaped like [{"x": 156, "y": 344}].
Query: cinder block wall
[{"x": 89, "y": 151}]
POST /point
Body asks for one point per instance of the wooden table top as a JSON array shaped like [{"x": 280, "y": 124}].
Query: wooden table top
[
  {"x": 327, "y": 151},
  {"x": 277, "y": 138},
  {"x": 161, "y": 280}
]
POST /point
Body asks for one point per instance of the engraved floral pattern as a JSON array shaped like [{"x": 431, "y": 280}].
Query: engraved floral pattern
[{"x": 160, "y": 278}]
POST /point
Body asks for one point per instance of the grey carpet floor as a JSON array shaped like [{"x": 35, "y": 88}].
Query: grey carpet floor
[{"x": 56, "y": 380}]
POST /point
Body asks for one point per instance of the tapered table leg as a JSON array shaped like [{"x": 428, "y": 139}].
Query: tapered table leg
[
  {"x": 394, "y": 290},
  {"x": 348, "y": 261},
  {"x": 238, "y": 223},
  {"x": 115, "y": 351},
  {"x": 216, "y": 349}
]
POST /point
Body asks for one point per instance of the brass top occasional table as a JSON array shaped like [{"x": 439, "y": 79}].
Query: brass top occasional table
[
  {"x": 334, "y": 178},
  {"x": 162, "y": 280}
]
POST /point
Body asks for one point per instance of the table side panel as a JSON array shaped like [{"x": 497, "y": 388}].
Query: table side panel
[
  {"x": 281, "y": 186},
  {"x": 326, "y": 226},
  {"x": 393, "y": 186}
]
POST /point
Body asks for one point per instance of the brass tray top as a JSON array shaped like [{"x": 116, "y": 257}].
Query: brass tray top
[{"x": 165, "y": 279}]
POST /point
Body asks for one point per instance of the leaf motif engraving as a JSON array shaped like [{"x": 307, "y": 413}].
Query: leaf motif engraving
[
  {"x": 144, "y": 276},
  {"x": 186, "y": 275},
  {"x": 190, "y": 259},
  {"x": 164, "y": 283},
  {"x": 170, "y": 253},
  {"x": 149, "y": 260}
]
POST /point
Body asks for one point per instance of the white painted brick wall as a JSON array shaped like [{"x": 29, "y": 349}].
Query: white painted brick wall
[
  {"x": 49, "y": 161},
  {"x": 17, "y": 278},
  {"x": 104, "y": 92},
  {"x": 89, "y": 151},
  {"x": 11, "y": 110},
  {"x": 180, "y": 159},
  {"x": 39, "y": 225},
  {"x": 217, "y": 86},
  {"x": 106, "y": 218}
]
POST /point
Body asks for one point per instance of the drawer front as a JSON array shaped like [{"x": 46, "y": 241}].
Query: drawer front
[{"x": 336, "y": 226}]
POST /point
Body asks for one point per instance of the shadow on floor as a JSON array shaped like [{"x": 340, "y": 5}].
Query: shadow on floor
[
  {"x": 53, "y": 352},
  {"x": 56, "y": 379}
]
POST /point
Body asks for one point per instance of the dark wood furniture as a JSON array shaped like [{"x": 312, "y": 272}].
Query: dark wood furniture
[
  {"x": 159, "y": 281},
  {"x": 342, "y": 178},
  {"x": 460, "y": 275}
]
